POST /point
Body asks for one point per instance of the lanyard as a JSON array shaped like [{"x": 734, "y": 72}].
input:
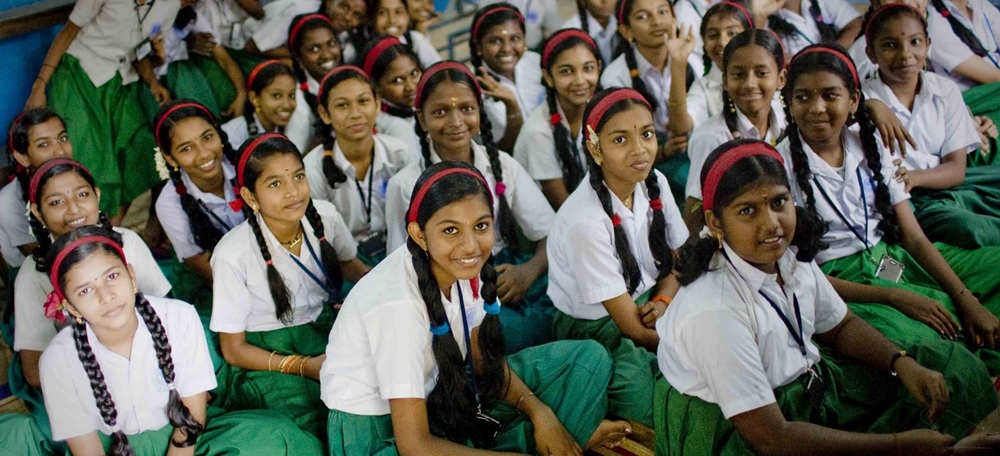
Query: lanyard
[
  {"x": 696, "y": 10},
  {"x": 864, "y": 203},
  {"x": 222, "y": 224},
  {"x": 467, "y": 334},
  {"x": 995, "y": 43},
  {"x": 361, "y": 193},
  {"x": 142, "y": 18},
  {"x": 333, "y": 294}
]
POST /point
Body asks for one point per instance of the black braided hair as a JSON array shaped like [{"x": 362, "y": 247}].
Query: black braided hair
[
  {"x": 333, "y": 174},
  {"x": 493, "y": 18},
  {"x": 874, "y": 25},
  {"x": 451, "y": 405},
  {"x": 827, "y": 32},
  {"x": 658, "y": 244},
  {"x": 263, "y": 79},
  {"x": 629, "y": 51},
  {"x": 727, "y": 11},
  {"x": 295, "y": 48},
  {"x": 826, "y": 61},
  {"x": 963, "y": 33},
  {"x": 381, "y": 66},
  {"x": 749, "y": 37},
  {"x": 206, "y": 234},
  {"x": 581, "y": 9},
  {"x": 102, "y": 397},
  {"x": 326, "y": 252}
]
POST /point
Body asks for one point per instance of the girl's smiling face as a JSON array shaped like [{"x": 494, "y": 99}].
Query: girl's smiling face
[
  {"x": 391, "y": 18},
  {"x": 627, "y": 147},
  {"x": 649, "y": 23},
  {"x": 67, "y": 202},
  {"x": 281, "y": 193},
  {"x": 751, "y": 79},
  {"x": 351, "y": 109},
  {"x": 458, "y": 238},
  {"x": 399, "y": 83},
  {"x": 46, "y": 141},
  {"x": 275, "y": 104},
  {"x": 574, "y": 75},
  {"x": 821, "y": 104},
  {"x": 900, "y": 49},
  {"x": 319, "y": 52},
  {"x": 502, "y": 46},
  {"x": 196, "y": 148},
  {"x": 719, "y": 29},
  {"x": 101, "y": 290},
  {"x": 346, "y": 14},
  {"x": 450, "y": 115},
  {"x": 758, "y": 225}
]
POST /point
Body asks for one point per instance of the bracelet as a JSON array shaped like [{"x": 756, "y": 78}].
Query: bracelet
[
  {"x": 269, "y": 361},
  {"x": 892, "y": 362},
  {"x": 286, "y": 362},
  {"x": 518, "y": 403},
  {"x": 302, "y": 362},
  {"x": 662, "y": 298},
  {"x": 960, "y": 293}
]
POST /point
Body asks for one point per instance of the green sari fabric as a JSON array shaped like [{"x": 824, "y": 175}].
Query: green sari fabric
[
  {"x": 967, "y": 215},
  {"x": 529, "y": 322},
  {"x": 21, "y": 436}
]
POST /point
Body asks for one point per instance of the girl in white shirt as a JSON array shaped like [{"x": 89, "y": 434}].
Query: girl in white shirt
[
  {"x": 975, "y": 58},
  {"x": 392, "y": 18},
  {"x": 353, "y": 170},
  {"x": 393, "y": 386},
  {"x": 541, "y": 18},
  {"x": 395, "y": 70},
  {"x": 272, "y": 106},
  {"x": 612, "y": 243},
  {"x": 843, "y": 175},
  {"x": 509, "y": 73},
  {"x": 736, "y": 360},
  {"x": 722, "y": 22},
  {"x": 800, "y": 23},
  {"x": 597, "y": 18},
  {"x": 158, "y": 340},
  {"x": 315, "y": 51},
  {"x": 550, "y": 145}
]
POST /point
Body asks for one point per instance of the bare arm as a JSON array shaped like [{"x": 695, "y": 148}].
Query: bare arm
[
  {"x": 625, "y": 314},
  {"x": 196, "y": 405},
  {"x": 693, "y": 216},
  {"x": 857, "y": 292},
  {"x": 59, "y": 45},
  {"x": 145, "y": 69},
  {"x": 354, "y": 269},
  {"x": 555, "y": 191},
  {"x": 513, "y": 280},
  {"x": 977, "y": 69},
  {"x": 201, "y": 266},
  {"x": 253, "y": 7},
  {"x": 922, "y": 250},
  {"x": 238, "y": 353},
  {"x": 26, "y": 249},
  {"x": 849, "y": 33},
  {"x": 29, "y": 364},
  {"x": 86, "y": 445},
  {"x": 950, "y": 173},
  {"x": 232, "y": 71}
]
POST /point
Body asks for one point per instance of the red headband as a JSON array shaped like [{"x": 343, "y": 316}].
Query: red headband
[
  {"x": 418, "y": 197},
  {"x": 377, "y": 50},
  {"x": 560, "y": 36},
  {"x": 257, "y": 69},
  {"x": 727, "y": 160},
  {"x": 437, "y": 68},
  {"x": 621, "y": 12},
  {"x": 334, "y": 71},
  {"x": 607, "y": 102},
  {"x": 293, "y": 34},
  {"x": 882, "y": 9},
  {"x": 10, "y": 133},
  {"x": 743, "y": 9},
  {"x": 170, "y": 111},
  {"x": 248, "y": 152},
  {"x": 36, "y": 178},
  {"x": 479, "y": 22},
  {"x": 847, "y": 60},
  {"x": 57, "y": 292}
]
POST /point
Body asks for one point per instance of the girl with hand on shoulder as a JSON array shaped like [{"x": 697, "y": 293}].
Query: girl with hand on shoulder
[
  {"x": 274, "y": 305},
  {"x": 353, "y": 170},
  {"x": 879, "y": 259},
  {"x": 117, "y": 335},
  {"x": 738, "y": 345},
  {"x": 450, "y": 113},
  {"x": 550, "y": 145},
  {"x": 395, "y": 70},
  {"x": 541, "y": 18},
  {"x": 271, "y": 106},
  {"x": 392, "y": 18},
  {"x": 722, "y": 22},
  {"x": 393, "y": 386},
  {"x": 611, "y": 247},
  {"x": 597, "y": 19}
]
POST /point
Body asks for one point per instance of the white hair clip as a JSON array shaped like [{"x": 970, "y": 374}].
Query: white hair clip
[{"x": 161, "y": 164}]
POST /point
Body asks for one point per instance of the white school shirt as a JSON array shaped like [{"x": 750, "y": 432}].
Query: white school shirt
[
  {"x": 657, "y": 83},
  {"x": 691, "y": 12},
  {"x": 541, "y": 18},
  {"x": 985, "y": 24},
  {"x": 704, "y": 99},
  {"x": 531, "y": 210},
  {"x": 380, "y": 346},
  {"x": 298, "y": 130},
  {"x": 176, "y": 223},
  {"x": 271, "y": 31},
  {"x": 838, "y": 13},
  {"x": 400, "y": 128},
  {"x": 136, "y": 383},
  {"x": 32, "y": 288},
  {"x": 535, "y": 148},
  {"x": 391, "y": 156},
  {"x": 707, "y": 137},
  {"x": 584, "y": 269},
  {"x": 722, "y": 342},
  {"x": 606, "y": 38},
  {"x": 846, "y": 193},
  {"x": 218, "y": 17},
  {"x": 529, "y": 90},
  {"x": 866, "y": 68},
  {"x": 940, "y": 122},
  {"x": 241, "y": 297},
  {"x": 14, "y": 228},
  {"x": 422, "y": 47}
]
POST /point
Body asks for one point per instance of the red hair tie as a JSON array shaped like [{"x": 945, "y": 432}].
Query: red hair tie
[
  {"x": 436, "y": 68},
  {"x": 847, "y": 60},
  {"x": 163, "y": 118},
  {"x": 501, "y": 188},
  {"x": 320, "y": 93},
  {"x": 726, "y": 161},
  {"x": 656, "y": 204},
  {"x": 377, "y": 50},
  {"x": 248, "y": 152},
  {"x": 293, "y": 35},
  {"x": 554, "y": 119},
  {"x": 945, "y": 13},
  {"x": 36, "y": 178},
  {"x": 53, "y": 302},
  {"x": 237, "y": 204},
  {"x": 616, "y": 220},
  {"x": 606, "y": 103},
  {"x": 257, "y": 69},
  {"x": 558, "y": 38},
  {"x": 475, "y": 27},
  {"x": 418, "y": 196}
]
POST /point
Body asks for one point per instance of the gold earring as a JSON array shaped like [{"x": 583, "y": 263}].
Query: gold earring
[
  {"x": 79, "y": 320},
  {"x": 782, "y": 98},
  {"x": 719, "y": 238}
]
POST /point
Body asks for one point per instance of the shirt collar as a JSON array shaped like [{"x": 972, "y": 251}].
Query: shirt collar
[
  {"x": 853, "y": 156},
  {"x": 755, "y": 278},
  {"x": 379, "y": 161},
  {"x": 228, "y": 172},
  {"x": 480, "y": 159},
  {"x": 311, "y": 84},
  {"x": 596, "y": 27},
  {"x": 775, "y": 124},
  {"x": 640, "y": 203},
  {"x": 645, "y": 67}
]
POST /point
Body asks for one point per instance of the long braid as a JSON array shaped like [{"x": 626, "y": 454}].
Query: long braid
[
  {"x": 581, "y": 9},
  {"x": 327, "y": 254},
  {"x": 706, "y": 61},
  {"x": 658, "y": 245},
  {"x": 425, "y": 144},
  {"x": 630, "y": 267},
  {"x": 205, "y": 233},
  {"x": 492, "y": 380},
  {"x": 729, "y": 114},
  {"x": 963, "y": 33},
  {"x": 279, "y": 292},
  {"x": 333, "y": 174},
  {"x": 637, "y": 83},
  {"x": 827, "y": 31},
  {"x": 44, "y": 239},
  {"x": 889, "y": 225},
  {"x": 505, "y": 216},
  {"x": 105, "y": 403},
  {"x": 566, "y": 148},
  {"x": 800, "y": 164}
]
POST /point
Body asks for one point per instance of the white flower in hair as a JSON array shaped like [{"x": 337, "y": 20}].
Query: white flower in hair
[
  {"x": 161, "y": 164},
  {"x": 705, "y": 232}
]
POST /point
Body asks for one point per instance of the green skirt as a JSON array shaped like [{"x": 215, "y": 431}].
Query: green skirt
[
  {"x": 967, "y": 215},
  {"x": 529, "y": 322},
  {"x": 983, "y": 282},
  {"x": 984, "y": 100},
  {"x": 184, "y": 80},
  {"x": 630, "y": 393},
  {"x": 35, "y": 403},
  {"x": 229, "y": 433},
  {"x": 111, "y": 135},
  {"x": 676, "y": 169},
  {"x": 296, "y": 397},
  {"x": 571, "y": 377},
  {"x": 858, "y": 399},
  {"x": 21, "y": 436}
]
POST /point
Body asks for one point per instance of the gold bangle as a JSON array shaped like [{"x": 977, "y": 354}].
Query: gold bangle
[
  {"x": 523, "y": 397},
  {"x": 283, "y": 367},
  {"x": 269, "y": 361},
  {"x": 301, "y": 363}
]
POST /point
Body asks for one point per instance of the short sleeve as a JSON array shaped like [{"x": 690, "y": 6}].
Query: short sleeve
[
  {"x": 947, "y": 49},
  {"x": 425, "y": 50},
  {"x": 677, "y": 232},
  {"x": 318, "y": 188},
  {"x": 68, "y": 416},
  {"x": 396, "y": 201},
  {"x": 15, "y": 215},
  {"x": 194, "y": 365},
  {"x": 399, "y": 361},
  {"x": 592, "y": 260},
  {"x": 176, "y": 224},
  {"x": 339, "y": 236},
  {"x": 496, "y": 111},
  {"x": 962, "y": 135},
  {"x": 148, "y": 276},
  {"x": 34, "y": 329},
  {"x": 533, "y": 213},
  {"x": 535, "y": 148},
  {"x": 830, "y": 307},
  {"x": 897, "y": 191},
  {"x": 841, "y": 11},
  {"x": 703, "y": 141},
  {"x": 85, "y": 11},
  {"x": 230, "y": 296},
  {"x": 697, "y": 102},
  {"x": 616, "y": 74}
]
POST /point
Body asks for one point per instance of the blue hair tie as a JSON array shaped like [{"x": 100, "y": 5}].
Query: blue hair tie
[
  {"x": 492, "y": 309},
  {"x": 441, "y": 330}
]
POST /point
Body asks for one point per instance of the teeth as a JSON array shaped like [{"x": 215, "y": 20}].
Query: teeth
[
  {"x": 468, "y": 261},
  {"x": 208, "y": 165},
  {"x": 327, "y": 65},
  {"x": 77, "y": 222}
]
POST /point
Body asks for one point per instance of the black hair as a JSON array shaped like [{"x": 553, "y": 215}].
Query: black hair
[
  {"x": 875, "y": 24},
  {"x": 495, "y": 14},
  {"x": 827, "y": 32},
  {"x": 333, "y": 174},
  {"x": 749, "y": 37},
  {"x": 42, "y": 234},
  {"x": 206, "y": 234},
  {"x": 184, "y": 17},
  {"x": 17, "y": 140},
  {"x": 724, "y": 9},
  {"x": 177, "y": 413},
  {"x": 505, "y": 216},
  {"x": 372, "y": 10},
  {"x": 695, "y": 256},
  {"x": 825, "y": 61},
  {"x": 279, "y": 145},
  {"x": 963, "y": 33},
  {"x": 381, "y": 66},
  {"x": 356, "y": 37},
  {"x": 295, "y": 46},
  {"x": 662, "y": 255},
  {"x": 264, "y": 78},
  {"x": 567, "y": 149},
  {"x": 451, "y": 405},
  {"x": 625, "y": 48}
]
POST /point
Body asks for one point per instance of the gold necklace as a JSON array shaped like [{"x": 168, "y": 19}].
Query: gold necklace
[
  {"x": 628, "y": 201},
  {"x": 291, "y": 244}
]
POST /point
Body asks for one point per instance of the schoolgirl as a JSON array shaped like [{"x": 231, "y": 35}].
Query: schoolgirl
[
  {"x": 753, "y": 68},
  {"x": 450, "y": 112},
  {"x": 353, "y": 170},
  {"x": 393, "y": 386},
  {"x": 269, "y": 34},
  {"x": 737, "y": 345},
  {"x": 315, "y": 51},
  {"x": 422, "y": 15},
  {"x": 392, "y": 18},
  {"x": 510, "y": 74},
  {"x": 395, "y": 70},
  {"x": 273, "y": 306},
  {"x": 541, "y": 19},
  {"x": 800, "y": 23},
  {"x": 612, "y": 246},
  {"x": 721, "y": 23},
  {"x": 879, "y": 259},
  {"x": 550, "y": 145},
  {"x": 858, "y": 49},
  {"x": 597, "y": 18},
  {"x": 974, "y": 58},
  {"x": 89, "y": 70},
  {"x": 119, "y": 335},
  {"x": 692, "y": 13},
  {"x": 272, "y": 106}
]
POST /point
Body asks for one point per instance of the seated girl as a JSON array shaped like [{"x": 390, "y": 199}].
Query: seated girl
[
  {"x": 722, "y": 22},
  {"x": 315, "y": 51},
  {"x": 392, "y": 18},
  {"x": 800, "y": 23},
  {"x": 597, "y": 18},
  {"x": 271, "y": 107},
  {"x": 395, "y": 71},
  {"x": 541, "y": 18}
]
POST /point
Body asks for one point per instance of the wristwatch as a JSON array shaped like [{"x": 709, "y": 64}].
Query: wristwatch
[{"x": 892, "y": 362}]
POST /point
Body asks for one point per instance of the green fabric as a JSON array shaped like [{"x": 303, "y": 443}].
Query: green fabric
[
  {"x": 858, "y": 399},
  {"x": 676, "y": 169},
  {"x": 984, "y": 100},
  {"x": 631, "y": 390},
  {"x": 529, "y": 322},
  {"x": 21, "y": 436},
  {"x": 967, "y": 215},
  {"x": 984, "y": 283},
  {"x": 571, "y": 377},
  {"x": 184, "y": 80},
  {"x": 34, "y": 402},
  {"x": 232, "y": 433},
  {"x": 111, "y": 135},
  {"x": 295, "y": 397}
]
